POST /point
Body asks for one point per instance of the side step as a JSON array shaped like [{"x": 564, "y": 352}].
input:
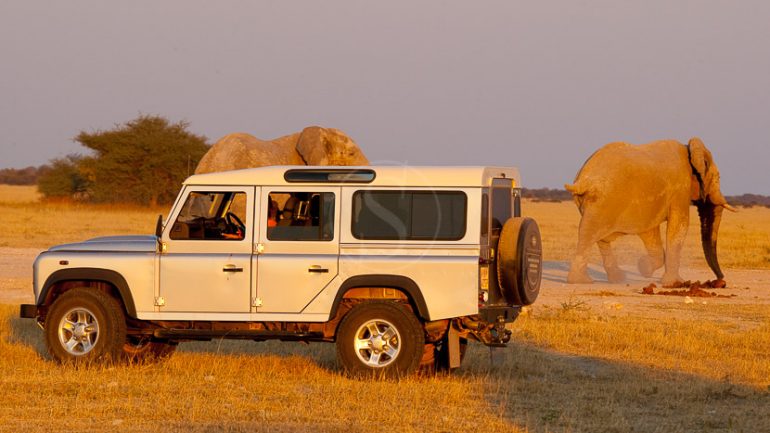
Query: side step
[{"x": 245, "y": 334}]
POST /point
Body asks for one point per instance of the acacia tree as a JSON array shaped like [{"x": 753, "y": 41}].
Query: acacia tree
[
  {"x": 143, "y": 161},
  {"x": 62, "y": 178}
]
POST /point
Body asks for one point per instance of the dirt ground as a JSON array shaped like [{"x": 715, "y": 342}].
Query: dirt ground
[{"x": 750, "y": 287}]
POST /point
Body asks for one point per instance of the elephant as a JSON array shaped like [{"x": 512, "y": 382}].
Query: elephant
[
  {"x": 632, "y": 189},
  {"x": 313, "y": 146}
]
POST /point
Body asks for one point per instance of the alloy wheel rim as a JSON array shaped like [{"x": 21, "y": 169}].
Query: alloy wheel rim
[
  {"x": 78, "y": 331},
  {"x": 377, "y": 343}
]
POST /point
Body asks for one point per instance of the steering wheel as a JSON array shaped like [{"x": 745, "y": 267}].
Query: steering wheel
[{"x": 234, "y": 224}]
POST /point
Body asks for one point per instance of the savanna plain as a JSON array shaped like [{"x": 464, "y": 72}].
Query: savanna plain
[{"x": 584, "y": 358}]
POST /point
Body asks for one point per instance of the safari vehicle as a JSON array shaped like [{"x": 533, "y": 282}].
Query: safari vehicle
[{"x": 399, "y": 266}]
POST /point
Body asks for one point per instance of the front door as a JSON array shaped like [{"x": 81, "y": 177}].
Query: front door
[
  {"x": 206, "y": 264},
  {"x": 298, "y": 244}
]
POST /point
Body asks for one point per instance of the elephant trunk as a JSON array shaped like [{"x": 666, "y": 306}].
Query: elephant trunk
[{"x": 710, "y": 217}]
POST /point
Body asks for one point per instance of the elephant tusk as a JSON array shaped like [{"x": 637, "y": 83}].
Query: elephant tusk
[{"x": 730, "y": 208}]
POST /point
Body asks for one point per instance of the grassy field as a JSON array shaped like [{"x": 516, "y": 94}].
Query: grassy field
[
  {"x": 30, "y": 223},
  {"x": 564, "y": 372},
  {"x": 567, "y": 369}
]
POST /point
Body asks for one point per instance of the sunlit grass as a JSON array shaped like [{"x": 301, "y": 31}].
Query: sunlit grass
[
  {"x": 28, "y": 222},
  {"x": 563, "y": 371},
  {"x": 18, "y": 193}
]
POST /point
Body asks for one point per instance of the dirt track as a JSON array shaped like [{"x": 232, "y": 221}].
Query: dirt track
[{"x": 751, "y": 287}]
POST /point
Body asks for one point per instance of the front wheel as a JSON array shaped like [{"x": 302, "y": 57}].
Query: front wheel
[
  {"x": 380, "y": 338},
  {"x": 85, "y": 325}
]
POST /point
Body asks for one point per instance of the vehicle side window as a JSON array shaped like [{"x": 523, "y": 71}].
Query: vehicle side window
[
  {"x": 409, "y": 215},
  {"x": 211, "y": 216},
  {"x": 300, "y": 216}
]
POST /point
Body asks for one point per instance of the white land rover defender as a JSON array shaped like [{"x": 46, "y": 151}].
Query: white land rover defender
[{"x": 400, "y": 266}]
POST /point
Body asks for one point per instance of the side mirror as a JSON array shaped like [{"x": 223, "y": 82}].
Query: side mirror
[{"x": 159, "y": 227}]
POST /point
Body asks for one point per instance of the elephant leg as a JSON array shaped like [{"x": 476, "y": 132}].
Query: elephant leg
[
  {"x": 655, "y": 257},
  {"x": 587, "y": 237},
  {"x": 676, "y": 232},
  {"x": 614, "y": 273}
]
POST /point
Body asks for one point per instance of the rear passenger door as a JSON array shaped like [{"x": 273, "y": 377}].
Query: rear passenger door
[{"x": 298, "y": 246}]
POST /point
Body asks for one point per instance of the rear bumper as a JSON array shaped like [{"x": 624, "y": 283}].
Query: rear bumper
[{"x": 28, "y": 311}]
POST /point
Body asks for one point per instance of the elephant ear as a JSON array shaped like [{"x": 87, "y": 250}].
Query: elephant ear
[
  {"x": 700, "y": 160},
  {"x": 313, "y": 146}
]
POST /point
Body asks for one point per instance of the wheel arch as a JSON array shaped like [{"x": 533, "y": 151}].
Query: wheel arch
[
  {"x": 107, "y": 276},
  {"x": 397, "y": 282}
]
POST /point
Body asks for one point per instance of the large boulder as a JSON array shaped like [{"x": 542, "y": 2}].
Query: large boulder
[{"x": 313, "y": 146}]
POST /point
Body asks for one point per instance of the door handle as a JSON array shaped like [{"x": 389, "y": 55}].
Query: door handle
[
  {"x": 317, "y": 269},
  {"x": 231, "y": 268}
]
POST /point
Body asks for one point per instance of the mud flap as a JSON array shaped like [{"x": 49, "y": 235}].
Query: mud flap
[{"x": 453, "y": 339}]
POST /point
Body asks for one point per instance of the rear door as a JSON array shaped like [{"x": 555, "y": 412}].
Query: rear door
[{"x": 298, "y": 246}]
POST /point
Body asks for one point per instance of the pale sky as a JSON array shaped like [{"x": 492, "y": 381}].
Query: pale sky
[{"x": 535, "y": 84}]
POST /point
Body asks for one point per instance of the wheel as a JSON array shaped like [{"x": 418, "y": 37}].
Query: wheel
[
  {"x": 520, "y": 261},
  {"x": 442, "y": 355},
  {"x": 380, "y": 338},
  {"x": 85, "y": 325},
  {"x": 138, "y": 350}
]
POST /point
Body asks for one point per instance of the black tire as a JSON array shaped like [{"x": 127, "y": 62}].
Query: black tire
[
  {"x": 138, "y": 350},
  {"x": 85, "y": 325},
  {"x": 396, "y": 355},
  {"x": 520, "y": 261}
]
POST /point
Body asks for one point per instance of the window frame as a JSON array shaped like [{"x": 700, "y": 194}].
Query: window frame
[
  {"x": 322, "y": 192},
  {"x": 222, "y": 206}
]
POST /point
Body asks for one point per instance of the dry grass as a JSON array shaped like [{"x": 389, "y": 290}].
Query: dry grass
[
  {"x": 18, "y": 194},
  {"x": 565, "y": 372},
  {"x": 27, "y": 222},
  {"x": 744, "y": 237}
]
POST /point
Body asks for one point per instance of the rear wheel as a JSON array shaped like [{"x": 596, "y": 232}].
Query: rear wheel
[
  {"x": 85, "y": 325},
  {"x": 380, "y": 338}
]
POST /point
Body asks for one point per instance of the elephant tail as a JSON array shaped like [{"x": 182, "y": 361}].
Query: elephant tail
[
  {"x": 578, "y": 192},
  {"x": 576, "y": 189}
]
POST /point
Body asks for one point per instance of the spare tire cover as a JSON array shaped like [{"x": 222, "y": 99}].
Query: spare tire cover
[{"x": 519, "y": 261}]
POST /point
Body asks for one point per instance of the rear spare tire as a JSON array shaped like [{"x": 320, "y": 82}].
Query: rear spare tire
[{"x": 519, "y": 261}]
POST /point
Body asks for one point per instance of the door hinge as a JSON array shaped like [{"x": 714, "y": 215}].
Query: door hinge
[
  {"x": 160, "y": 301},
  {"x": 256, "y": 302}
]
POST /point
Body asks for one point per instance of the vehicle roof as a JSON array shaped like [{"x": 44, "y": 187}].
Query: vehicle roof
[{"x": 413, "y": 176}]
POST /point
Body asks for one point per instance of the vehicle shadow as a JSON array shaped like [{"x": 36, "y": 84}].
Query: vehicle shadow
[
  {"x": 27, "y": 333},
  {"x": 543, "y": 390},
  {"x": 321, "y": 354}
]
